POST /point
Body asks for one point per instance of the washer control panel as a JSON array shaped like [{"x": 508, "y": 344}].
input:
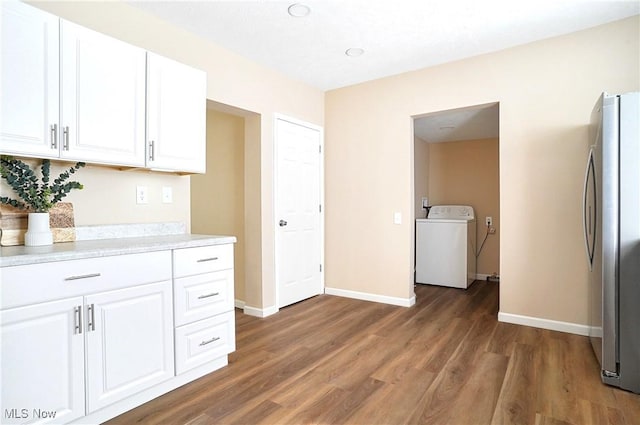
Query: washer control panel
[{"x": 460, "y": 212}]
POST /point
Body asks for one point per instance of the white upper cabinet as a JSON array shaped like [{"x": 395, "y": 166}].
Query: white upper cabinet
[
  {"x": 103, "y": 98},
  {"x": 72, "y": 93},
  {"x": 29, "y": 103},
  {"x": 176, "y": 116}
]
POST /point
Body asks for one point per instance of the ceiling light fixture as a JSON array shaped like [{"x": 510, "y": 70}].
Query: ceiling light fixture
[
  {"x": 299, "y": 10},
  {"x": 354, "y": 52}
]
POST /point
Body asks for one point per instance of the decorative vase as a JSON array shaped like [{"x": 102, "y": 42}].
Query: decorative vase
[{"x": 38, "y": 230}]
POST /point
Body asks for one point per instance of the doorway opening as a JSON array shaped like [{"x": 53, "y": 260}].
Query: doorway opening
[{"x": 456, "y": 162}]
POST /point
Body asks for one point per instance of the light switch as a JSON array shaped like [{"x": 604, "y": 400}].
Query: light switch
[
  {"x": 167, "y": 195},
  {"x": 397, "y": 218}
]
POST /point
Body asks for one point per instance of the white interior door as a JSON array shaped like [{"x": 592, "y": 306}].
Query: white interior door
[{"x": 298, "y": 211}]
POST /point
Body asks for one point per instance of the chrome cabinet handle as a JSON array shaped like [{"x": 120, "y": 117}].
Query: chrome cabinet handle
[
  {"x": 91, "y": 326},
  {"x": 209, "y": 295},
  {"x": 83, "y": 276},
  {"x": 214, "y": 339},
  {"x": 282, "y": 223},
  {"x": 65, "y": 141},
  {"x": 202, "y": 260},
  {"x": 152, "y": 153},
  {"x": 77, "y": 319},
  {"x": 54, "y": 136}
]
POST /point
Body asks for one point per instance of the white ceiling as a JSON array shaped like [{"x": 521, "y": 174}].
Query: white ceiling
[
  {"x": 397, "y": 36},
  {"x": 470, "y": 123}
]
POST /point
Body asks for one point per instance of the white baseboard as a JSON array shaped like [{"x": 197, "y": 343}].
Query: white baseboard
[
  {"x": 553, "y": 325},
  {"x": 482, "y": 276},
  {"x": 364, "y": 296},
  {"x": 239, "y": 304},
  {"x": 260, "y": 312}
]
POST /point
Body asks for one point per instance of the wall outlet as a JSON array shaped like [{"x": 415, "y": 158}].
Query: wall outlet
[
  {"x": 142, "y": 195},
  {"x": 425, "y": 202},
  {"x": 488, "y": 221}
]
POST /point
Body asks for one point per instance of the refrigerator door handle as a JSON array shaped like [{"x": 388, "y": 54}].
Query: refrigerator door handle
[{"x": 589, "y": 208}]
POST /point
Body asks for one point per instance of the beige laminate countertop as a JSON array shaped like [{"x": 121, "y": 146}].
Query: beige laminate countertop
[{"x": 24, "y": 255}]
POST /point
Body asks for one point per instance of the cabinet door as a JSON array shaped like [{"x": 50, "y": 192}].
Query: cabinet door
[
  {"x": 176, "y": 116},
  {"x": 42, "y": 363},
  {"x": 103, "y": 98},
  {"x": 129, "y": 342},
  {"x": 29, "y": 80}
]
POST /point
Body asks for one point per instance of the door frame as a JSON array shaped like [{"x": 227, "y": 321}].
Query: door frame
[{"x": 282, "y": 117}]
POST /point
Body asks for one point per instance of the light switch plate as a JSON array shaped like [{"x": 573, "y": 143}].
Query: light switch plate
[
  {"x": 397, "y": 218},
  {"x": 167, "y": 195}
]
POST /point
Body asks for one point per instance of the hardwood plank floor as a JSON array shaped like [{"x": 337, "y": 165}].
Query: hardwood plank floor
[{"x": 446, "y": 360}]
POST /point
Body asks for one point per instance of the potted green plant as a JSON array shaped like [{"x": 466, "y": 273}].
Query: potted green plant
[{"x": 38, "y": 195}]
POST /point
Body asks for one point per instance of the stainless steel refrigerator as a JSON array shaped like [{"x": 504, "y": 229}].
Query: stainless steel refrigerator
[{"x": 612, "y": 237}]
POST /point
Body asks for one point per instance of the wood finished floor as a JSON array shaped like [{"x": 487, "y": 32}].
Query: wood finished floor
[{"x": 446, "y": 360}]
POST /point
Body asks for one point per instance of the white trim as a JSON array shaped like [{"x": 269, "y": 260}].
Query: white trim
[
  {"x": 402, "y": 302},
  {"x": 482, "y": 276},
  {"x": 554, "y": 325},
  {"x": 239, "y": 304},
  {"x": 260, "y": 312}
]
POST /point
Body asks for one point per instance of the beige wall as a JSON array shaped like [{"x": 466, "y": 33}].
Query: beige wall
[
  {"x": 109, "y": 195},
  {"x": 421, "y": 176},
  {"x": 231, "y": 80},
  {"x": 217, "y": 197},
  {"x": 466, "y": 173},
  {"x": 546, "y": 92}
]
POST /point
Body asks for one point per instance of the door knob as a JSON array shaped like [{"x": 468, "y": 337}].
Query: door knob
[{"x": 282, "y": 223}]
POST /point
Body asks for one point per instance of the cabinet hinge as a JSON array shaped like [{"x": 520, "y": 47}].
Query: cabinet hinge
[
  {"x": 320, "y": 207},
  {"x": 319, "y": 148},
  {"x": 320, "y": 267}
]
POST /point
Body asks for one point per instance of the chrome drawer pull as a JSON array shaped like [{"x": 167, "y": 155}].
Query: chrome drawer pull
[
  {"x": 208, "y": 295},
  {"x": 54, "y": 136},
  {"x": 214, "y": 339},
  {"x": 84, "y": 276},
  {"x": 65, "y": 140},
  {"x": 91, "y": 310},
  {"x": 77, "y": 319},
  {"x": 202, "y": 260}
]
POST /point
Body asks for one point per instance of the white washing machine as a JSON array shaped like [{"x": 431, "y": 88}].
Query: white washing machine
[{"x": 445, "y": 246}]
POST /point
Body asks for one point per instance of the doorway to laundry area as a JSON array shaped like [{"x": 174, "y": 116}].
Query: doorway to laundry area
[{"x": 456, "y": 162}]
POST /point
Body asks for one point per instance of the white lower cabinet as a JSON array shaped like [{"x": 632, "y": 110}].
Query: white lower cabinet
[
  {"x": 129, "y": 342},
  {"x": 120, "y": 340},
  {"x": 42, "y": 363},
  {"x": 204, "y": 305},
  {"x": 85, "y": 340}
]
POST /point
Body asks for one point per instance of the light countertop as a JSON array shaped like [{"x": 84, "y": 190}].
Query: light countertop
[{"x": 23, "y": 255}]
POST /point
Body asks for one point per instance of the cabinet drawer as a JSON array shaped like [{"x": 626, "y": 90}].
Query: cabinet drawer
[
  {"x": 35, "y": 283},
  {"x": 204, "y": 259},
  {"x": 204, "y": 341},
  {"x": 202, "y": 296}
]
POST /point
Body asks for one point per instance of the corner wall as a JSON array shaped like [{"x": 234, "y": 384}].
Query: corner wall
[
  {"x": 231, "y": 80},
  {"x": 217, "y": 197},
  {"x": 546, "y": 92}
]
